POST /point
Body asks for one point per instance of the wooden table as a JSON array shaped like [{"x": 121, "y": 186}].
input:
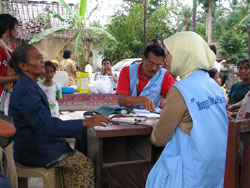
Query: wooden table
[
  {"x": 117, "y": 144},
  {"x": 86, "y": 101}
]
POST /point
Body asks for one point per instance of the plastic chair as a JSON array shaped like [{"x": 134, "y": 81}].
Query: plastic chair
[{"x": 52, "y": 178}]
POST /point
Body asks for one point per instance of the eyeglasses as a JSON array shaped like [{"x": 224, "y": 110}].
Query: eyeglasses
[{"x": 152, "y": 64}]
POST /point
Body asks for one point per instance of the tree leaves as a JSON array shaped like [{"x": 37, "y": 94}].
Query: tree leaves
[
  {"x": 102, "y": 33},
  {"x": 127, "y": 26}
]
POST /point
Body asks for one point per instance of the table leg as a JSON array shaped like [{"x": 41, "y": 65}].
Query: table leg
[{"x": 95, "y": 153}]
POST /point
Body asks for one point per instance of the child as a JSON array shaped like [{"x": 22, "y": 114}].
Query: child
[
  {"x": 51, "y": 89},
  {"x": 213, "y": 73}
]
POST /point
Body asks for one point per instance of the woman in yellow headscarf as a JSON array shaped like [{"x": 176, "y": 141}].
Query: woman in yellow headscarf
[{"x": 193, "y": 125}]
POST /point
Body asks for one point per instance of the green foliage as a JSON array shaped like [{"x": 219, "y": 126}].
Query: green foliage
[
  {"x": 233, "y": 46},
  {"x": 5, "y": 7},
  {"x": 82, "y": 8},
  {"x": 103, "y": 33},
  {"x": 205, "y": 4},
  {"x": 75, "y": 24},
  {"x": 127, "y": 26},
  {"x": 201, "y": 30}
]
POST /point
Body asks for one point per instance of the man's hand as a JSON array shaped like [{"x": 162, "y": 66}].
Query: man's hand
[
  {"x": 109, "y": 71},
  {"x": 162, "y": 103},
  {"x": 96, "y": 120},
  {"x": 147, "y": 104}
]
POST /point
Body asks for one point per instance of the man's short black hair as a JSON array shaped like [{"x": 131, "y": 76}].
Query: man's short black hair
[
  {"x": 7, "y": 22},
  {"x": 107, "y": 59},
  {"x": 66, "y": 54},
  {"x": 155, "y": 49},
  {"x": 213, "y": 48},
  {"x": 243, "y": 61}
]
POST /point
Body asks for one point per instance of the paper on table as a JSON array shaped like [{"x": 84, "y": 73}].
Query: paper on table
[{"x": 142, "y": 112}]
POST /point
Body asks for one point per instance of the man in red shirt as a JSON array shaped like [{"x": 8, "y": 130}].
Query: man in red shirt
[{"x": 148, "y": 74}]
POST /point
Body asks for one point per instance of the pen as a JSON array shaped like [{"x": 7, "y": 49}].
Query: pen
[{"x": 155, "y": 112}]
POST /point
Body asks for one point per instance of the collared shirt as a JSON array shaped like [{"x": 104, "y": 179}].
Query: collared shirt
[
  {"x": 37, "y": 141},
  {"x": 123, "y": 86}
]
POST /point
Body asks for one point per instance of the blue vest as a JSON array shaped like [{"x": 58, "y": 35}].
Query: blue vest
[
  {"x": 153, "y": 88},
  {"x": 196, "y": 160}
]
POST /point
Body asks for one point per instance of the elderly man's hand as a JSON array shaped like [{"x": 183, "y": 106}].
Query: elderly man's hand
[
  {"x": 148, "y": 104},
  {"x": 96, "y": 120}
]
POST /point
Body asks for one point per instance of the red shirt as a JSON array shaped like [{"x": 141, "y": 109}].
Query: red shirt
[
  {"x": 4, "y": 65},
  {"x": 123, "y": 86}
]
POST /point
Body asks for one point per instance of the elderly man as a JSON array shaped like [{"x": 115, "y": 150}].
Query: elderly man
[{"x": 142, "y": 85}]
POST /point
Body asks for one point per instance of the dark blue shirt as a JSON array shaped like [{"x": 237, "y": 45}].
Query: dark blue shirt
[
  {"x": 37, "y": 141},
  {"x": 238, "y": 92}
]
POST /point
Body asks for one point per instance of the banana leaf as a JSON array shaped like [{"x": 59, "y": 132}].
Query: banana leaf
[
  {"x": 54, "y": 14},
  {"x": 82, "y": 8},
  {"x": 78, "y": 47},
  {"x": 65, "y": 5},
  {"x": 102, "y": 32},
  {"x": 91, "y": 12},
  {"x": 240, "y": 22},
  {"x": 46, "y": 32}
]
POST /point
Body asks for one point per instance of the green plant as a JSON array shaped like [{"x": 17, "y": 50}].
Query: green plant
[
  {"x": 233, "y": 46},
  {"x": 76, "y": 24},
  {"x": 127, "y": 26}
]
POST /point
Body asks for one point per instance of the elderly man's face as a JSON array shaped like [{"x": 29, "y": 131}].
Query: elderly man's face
[
  {"x": 35, "y": 65},
  {"x": 151, "y": 65}
]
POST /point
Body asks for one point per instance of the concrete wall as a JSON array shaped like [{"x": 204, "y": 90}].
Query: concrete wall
[{"x": 51, "y": 47}]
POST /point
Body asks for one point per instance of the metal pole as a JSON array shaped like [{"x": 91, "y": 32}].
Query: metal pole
[
  {"x": 145, "y": 22},
  {"x": 249, "y": 41},
  {"x": 186, "y": 20}
]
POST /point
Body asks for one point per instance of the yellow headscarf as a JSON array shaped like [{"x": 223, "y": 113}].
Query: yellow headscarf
[{"x": 189, "y": 53}]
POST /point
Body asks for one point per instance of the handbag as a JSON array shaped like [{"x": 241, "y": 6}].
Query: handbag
[{"x": 4, "y": 101}]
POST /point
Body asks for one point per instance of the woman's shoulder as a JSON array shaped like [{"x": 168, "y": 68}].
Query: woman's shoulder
[
  {"x": 235, "y": 85},
  {"x": 69, "y": 60}
]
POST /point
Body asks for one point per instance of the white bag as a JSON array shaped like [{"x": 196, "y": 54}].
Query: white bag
[{"x": 101, "y": 85}]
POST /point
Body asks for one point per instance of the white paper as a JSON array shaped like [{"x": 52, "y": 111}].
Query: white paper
[{"x": 143, "y": 112}]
